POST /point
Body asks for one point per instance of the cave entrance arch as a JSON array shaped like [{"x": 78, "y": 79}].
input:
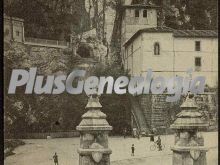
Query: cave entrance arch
[{"x": 84, "y": 51}]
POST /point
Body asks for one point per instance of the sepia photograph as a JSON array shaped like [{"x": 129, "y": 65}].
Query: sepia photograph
[{"x": 110, "y": 82}]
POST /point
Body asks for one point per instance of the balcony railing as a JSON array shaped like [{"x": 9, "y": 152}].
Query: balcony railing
[{"x": 46, "y": 42}]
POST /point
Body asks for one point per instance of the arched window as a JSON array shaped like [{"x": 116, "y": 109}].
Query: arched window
[{"x": 156, "y": 48}]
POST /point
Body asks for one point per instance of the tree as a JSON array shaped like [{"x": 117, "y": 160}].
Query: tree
[
  {"x": 116, "y": 107},
  {"x": 50, "y": 19},
  {"x": 115, "y": 44},
  {"x": 191, "y": 14}
]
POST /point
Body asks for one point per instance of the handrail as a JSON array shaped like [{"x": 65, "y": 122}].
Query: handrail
[
  {"x": 139, "y": 129},
  {"x": 141, "y": 122},
  {"x": 46, "y": 41}
]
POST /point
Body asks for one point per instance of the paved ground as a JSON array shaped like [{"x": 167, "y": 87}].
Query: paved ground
[{"x": 40, "y": 151}]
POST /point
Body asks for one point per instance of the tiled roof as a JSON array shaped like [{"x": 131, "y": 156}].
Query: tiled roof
[
  {"x": 157, "y": 29},
  {"x": 195, "y": 33},
  {"x": 13, "y": 18},
  {"x": 150, "y": 30},
  {"x": 176, "y": 33},
  {"x": 140, "y": 6}
]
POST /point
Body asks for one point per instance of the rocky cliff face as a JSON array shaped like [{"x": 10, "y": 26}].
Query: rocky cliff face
[
  {"x": 92, "y": 47},
  {"x": 47, "y": 60},
  {"x": 39, "y": 113}
]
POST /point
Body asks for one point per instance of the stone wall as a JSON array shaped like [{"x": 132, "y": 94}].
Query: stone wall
[
  {"x": 145, "y": 103},
  {"x": 160, "y": 114}
]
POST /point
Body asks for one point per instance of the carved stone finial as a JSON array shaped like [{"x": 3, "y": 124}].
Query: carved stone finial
[{"x": 94, "y": 130}]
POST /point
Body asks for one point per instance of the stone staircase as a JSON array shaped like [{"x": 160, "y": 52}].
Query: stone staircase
[{"x": 139, "y": 118}]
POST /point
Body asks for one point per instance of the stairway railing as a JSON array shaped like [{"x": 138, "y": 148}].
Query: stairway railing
[{"x": 139, "y": 117}]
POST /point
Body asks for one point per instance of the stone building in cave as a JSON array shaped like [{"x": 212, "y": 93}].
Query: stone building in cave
[{"x": 13, "y": 29}]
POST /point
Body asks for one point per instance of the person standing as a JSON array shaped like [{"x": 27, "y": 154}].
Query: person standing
[
  {"x": 55, "y": 159},
  {"x": 159, "y": 144},
  {"x": 132, "y": 150},
  {"x": 134, "y": 132},
  {"x": 138, "y": 135},
  {"x": 152, "y": 136},
  {"x": 125, "y": 132}
]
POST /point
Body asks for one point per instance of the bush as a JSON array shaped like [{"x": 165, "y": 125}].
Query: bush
[
  {"x": 10, "y": 145},
  {"x": 116, "y": 107}
]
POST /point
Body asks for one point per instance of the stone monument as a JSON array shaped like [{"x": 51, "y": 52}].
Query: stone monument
[
  {"x": 189, "y": 144},
  {"x": 94, "y": 130}
]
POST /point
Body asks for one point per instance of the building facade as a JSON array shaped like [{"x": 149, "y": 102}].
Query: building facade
[
  {"x": 172, "y": 53},
  {"x": 168, "y": 52},
  {"x": 136, "y": 17},
  {"x": 13, "y": 29}
]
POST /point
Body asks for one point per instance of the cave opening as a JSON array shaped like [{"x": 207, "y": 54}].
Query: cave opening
[{"x": 84, "y": 51}]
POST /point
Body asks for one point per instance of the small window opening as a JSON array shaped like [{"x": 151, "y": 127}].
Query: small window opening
[
  {"x": 17, "y": 33},
  {"x": 198, "y": 63},
  {"x": 156, "y": 49},
  {"x": 136, "y": 13},
  {"x": 197, "y": 46},
  {"x": 6, "y": 33},
  {"x": 145, "y": 13}
]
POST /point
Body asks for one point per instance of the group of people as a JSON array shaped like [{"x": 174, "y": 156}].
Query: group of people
[{"x": 158, "y": 142}]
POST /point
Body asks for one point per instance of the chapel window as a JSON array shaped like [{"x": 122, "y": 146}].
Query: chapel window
[
  {"x": 156, "y": 48},
  {"x": 145, "y": 13},
  {"x": 198, "y": 63},
  {"x": 197, "y": 45}
]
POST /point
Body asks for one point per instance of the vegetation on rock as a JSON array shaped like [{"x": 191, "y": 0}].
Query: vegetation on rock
[
  {"x": 10, "y": 145},
  {"x": 26, "y": 113}
]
